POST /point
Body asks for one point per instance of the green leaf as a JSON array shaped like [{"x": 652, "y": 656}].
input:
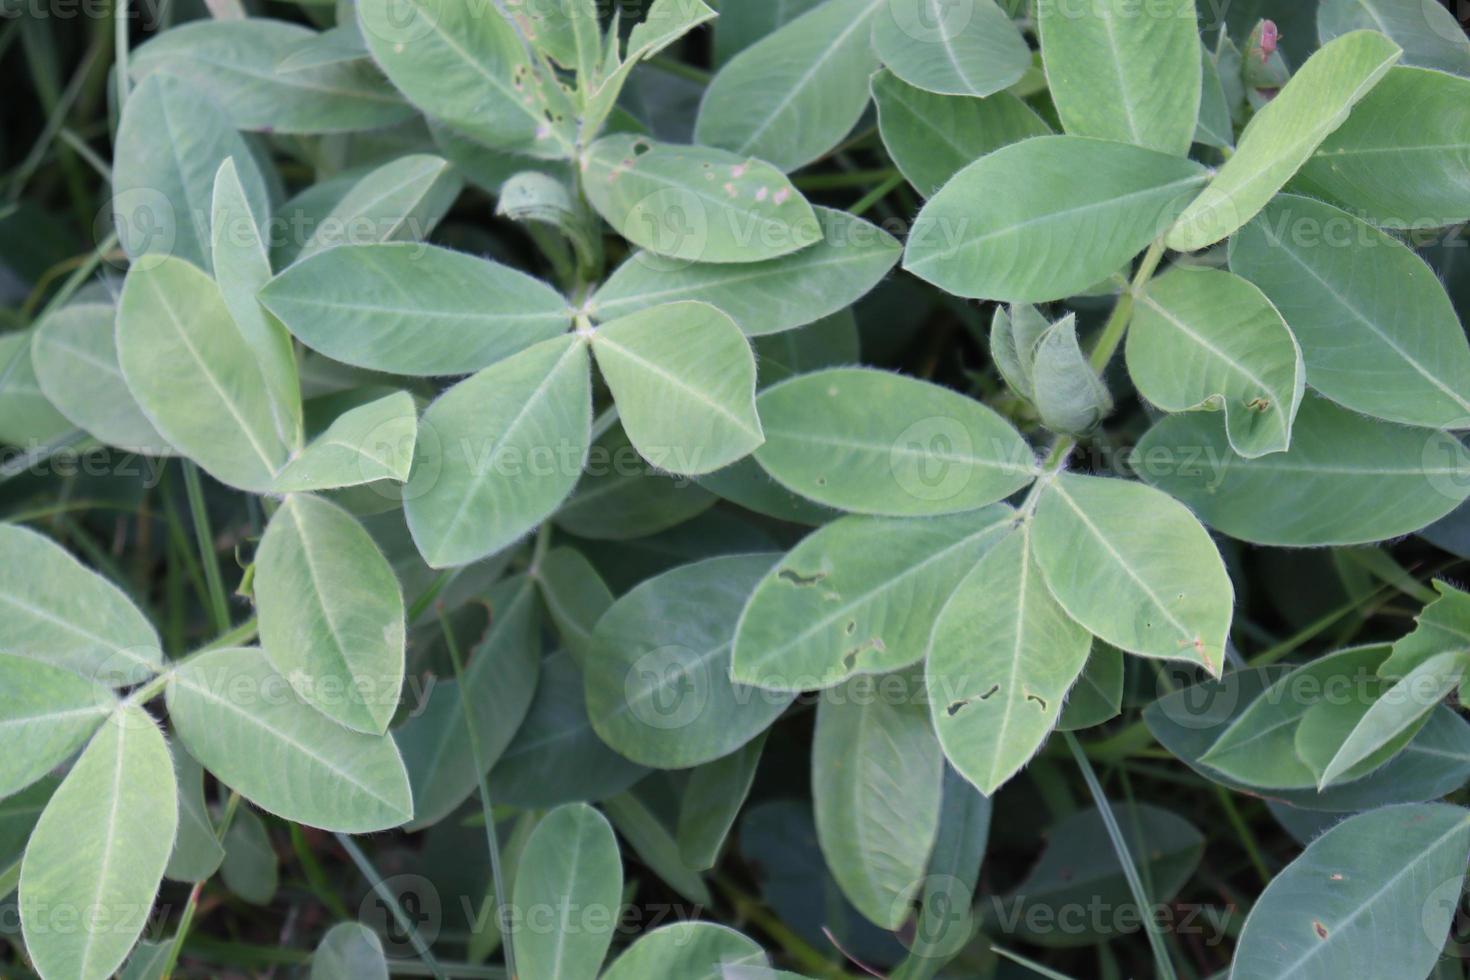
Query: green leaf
[
  {"x": 27, "y": 419},
  {"x": 830, "y": 342},
  {"x": 1152, "y": 585},
  {"x": 665, "y": 22},
  {"x": 46, "y": 714},
  {"x": 365, "y": 444},
  {"x": 1080, "y": 869},
  {"x": 1069, "y": 396},
  {"x": 792, "y": 96},
  {"x": 349, "y": 951},
  {"x": 654, "y": 846},
  {"x": 96, "y": 857},
  {"x": 414, "y": 309},
  {"x": 466, "y": 66},
  {"x": 877, "y": 772},
  {"x": 1122, "y": 71},
  {"x": 1383, "y": 480},
  {"x": 400, "y": 201},
  {"x": 1216, "y": 127},
  {"x": 859, "y": 595},
  {"x": 568, "y": 888},
  {"x": 331, "y": 613},
  {"x": 951, "y": 49},
  {"x": 622, "y": 496},
  {"x": 197, "y": 851},
  {"x": 250, "y": 869},
  {"x": 55, "y": 610},
  {"x": 499, "y": 682},
  {"x": 74, "y": 354},
  {"x": 1402, "y": 709},
  {"x": 195, "y": 376},
  {"x": 713, "y": 798},
  {"x": 1017, "y": 225},
  {"x": 1377, "y": 330},
  {"x": 234, "y": 63},
  {"x": 499, "y": 452},
  {"x": 767, "y": 297},
  {"x": 1444, "y": 624},
  {"x": 333, "y": 46},
  {"x": 1373, "y": 896},
  {"x": 695, "y": 203},
  {"x": 241, "y": 719},
  {"x": 683, "y": 376},
  {"x": 1259, "y": 746},
  {"x": 659, "y": 689},
  {"x": 170, "y": 142},
  {"x": 1328, "y": 724},
  {"x": 1204, "y": 338},
  {"x": 556, "y": 757},
  {"x": 241, "y": 267},
  {"x": 1283, "y": 135},
  {"x": 1430, "y": 34},
  {"x": 878, "y": 443},
  {"x": 1397, "y": 176},
  {"x": 567, "y": 30},
  {"x": 689, "y": 951},
  {"x": 743, "y": 24},
  {"x": 1001, "y": 660},
  {"x": 575, "y": 597},
  {"x": 1013, "y": 339},
  {"x": 1098, "y": 694},
  {"x": 933, "y": 137}
]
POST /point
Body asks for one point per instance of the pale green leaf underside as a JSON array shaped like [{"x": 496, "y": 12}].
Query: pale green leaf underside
[
  {"x": 362, "y": 445},
  {"x": 46, "y": 714},
  {"x": 1135, "y": 568},
  {"x": 569, "y": 872},
  {"x": 279, "y": 752}
]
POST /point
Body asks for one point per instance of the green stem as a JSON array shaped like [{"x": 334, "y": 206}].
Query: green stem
[
  {"x": 219, "y": 605},
  {"x": 1243, "y": 831},
  {"x": 238, "y": 636},
  {"x": 492, "y": 836},
  {"x": 1117, "y": 325},
  {"x": 876, "y": 194},
  {"x": 1125, "y": 857},
  {"x": 192, "y": 906},
  {"x": 834, "y": 182},
  {"x": 381, "y": 890}
]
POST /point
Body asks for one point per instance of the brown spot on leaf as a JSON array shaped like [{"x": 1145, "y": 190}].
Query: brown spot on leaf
[{"x": 1319, "y": 929}]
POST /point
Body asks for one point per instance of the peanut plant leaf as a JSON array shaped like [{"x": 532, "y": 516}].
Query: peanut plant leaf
[
  {"x": 1380, "y": 916},
  {"x": 1283, "y": 135},
  {"x": 1329, "y": 723},
  {"x": 1430, "y": 34},
  {"x": 713, "y": 799},
  {"x": 695, "y": 203},
  {"x": 242, "y": 266},
  {"x": 859, "y": 595},
  {"x": 623, "y": 496},
  {"x": 1443, "y": 624},
  {"x": 1168, "y": 594},
  {"x": 1205, "y": 338},
  {"x": 689, "y": 950},
  {"x": 1360, "y": 464},
  {"x": 499, "y": 682},
  {"x": 55, "y": 610},
  {"x": 1394, "y": 175},
  {"x": 349, "y": 951},
  {"x": 250, "y": 870},
  {"x": 969, "y": 49},
  {"x": 1401, "y": 711},
  {"x": 659, "y": 689},
  {"x": 1016, "y": 225},
  {"x": 246, "y": 725},
  {"x": 331, "y": 613},
  {"x": 365, "y": 444},
  {"x": 171, "y": 140},
  {"x": 877, "y": 773},
  {"x": 571, "y": 874},
  {"x": 683, "y": 376},
  {"x": 1124, "y": 72},
  {"x": 650, "y": 838},
  {"x": 499, "y": 452},
  {"x": 234, "y": 63},
  {"x": 933, "y": 137},
  {"x": 575, "y": 597},
  {"x": 793, "y": 95},
  {"x": 194, "y": 375},
  {"x": 74, "y": 354},
  {"x": 1069, "y": 396},
  {"x": 414, "y": 309},
  {"x": 197, "y": 852},
  {"x": 872, "y": 442},
  {"x": 766, "y": 297},
  {"x": 466, "y": 67},
  {"x": 1376, "y": 327},
  {"x": 1001, "y": 660},
  {"x": 28, "y": 418},
  {"x": 1098, "y": 694},
  {"x": 400, "y": 201},
  {"x": 99, "y": 849},
  {"x": 46, "y": 714},
  {"x": 746, "y": 23}
]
